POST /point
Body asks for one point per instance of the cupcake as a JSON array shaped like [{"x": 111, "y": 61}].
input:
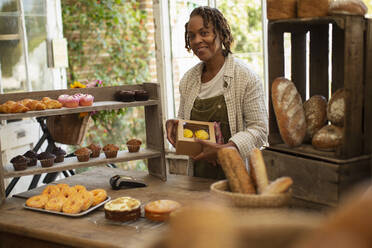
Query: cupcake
[
  {"x": 46, "y": 159},
  {"x": 83, "y": 154},
  {"x": 60, "y": 154},
  {"x": 134, "y": 145},
  {"x": 32, "y": 157},
  {"x": 125, "y": 96},
  {"x": 19, "y": 162},
  {"x": 141, "y": 95},
  {"x": 96, "y": 150},
  {"x": 111, "y": 150}
]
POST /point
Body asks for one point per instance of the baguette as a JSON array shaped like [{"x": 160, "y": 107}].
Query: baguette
[
  {"x": 278, "y": 186},
  {"x": 235, "y": 171},
  {"x": 258, "y": 170}
]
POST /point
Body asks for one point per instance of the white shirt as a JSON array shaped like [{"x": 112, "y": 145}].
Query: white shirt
[{"x": 213, "y": 87}]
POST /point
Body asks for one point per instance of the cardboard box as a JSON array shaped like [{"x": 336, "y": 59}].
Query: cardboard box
[{"x": 188, "y": 146}]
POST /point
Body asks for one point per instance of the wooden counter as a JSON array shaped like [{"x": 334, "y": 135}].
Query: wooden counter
[{"x": 19, "y": 226}]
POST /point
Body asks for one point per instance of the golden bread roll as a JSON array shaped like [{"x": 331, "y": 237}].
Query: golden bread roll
[
  {"x": 312, "y": 8},
  {"x": 258, "y": 170},
  {"x": 35, "y": 105},
  {"x": 18, "y": 108},
  {"x": 281, "y": 9},
  {"x": 235, "y": 171},
  {"x": 53, "y": 104},
  {"x": 348, "y": 7},
  {"x": 278, "y": 186}
]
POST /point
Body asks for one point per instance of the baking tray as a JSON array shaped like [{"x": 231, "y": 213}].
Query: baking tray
[{"x": 65, "y": 214}]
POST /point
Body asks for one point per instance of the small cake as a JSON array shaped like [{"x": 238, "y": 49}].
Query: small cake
[
  {"x": 134, "y": 145},
  {"x": 123, "y": 209},
  {"x": 201, "y": 134},
  {"x": 83, "y": 154},
  {"x": 60, "y": 154},
  {"x": 96, "y": 150},
  {"x": 32, "y": 156},
  {"x": 19, "y": 162},
  {"x": 141, "y": 95},
  {"x": 125, "y": 95},
  {"x": 111, "y": 150},
  {"x": 160, "y": 210},
  {"x": 46, "y": 159}
]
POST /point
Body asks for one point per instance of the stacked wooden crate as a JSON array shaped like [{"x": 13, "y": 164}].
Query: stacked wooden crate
[{"x": 321, "y": 178}]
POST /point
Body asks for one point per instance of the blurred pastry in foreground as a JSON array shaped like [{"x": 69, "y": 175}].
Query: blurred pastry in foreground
[{"x": 160, "y": 210}]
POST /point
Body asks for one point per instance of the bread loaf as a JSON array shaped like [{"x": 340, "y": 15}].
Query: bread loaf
[
  {"x": 278, "y": 186},
  {"x": 328, "y": 138},
  {"x": 312, "y": 8},
  {"x": 336, "y": 108},
  {"x": 258, "y": 170},
  {"x": 315, "y": 114},
  {"x": 289, "y": 111},
  {"x": 281, "y": 9},
  {"x": 235, "y": 171},
  {"x": 348, "y": 7}
]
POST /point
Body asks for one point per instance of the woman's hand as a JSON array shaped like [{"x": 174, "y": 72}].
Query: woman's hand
[
  {"x": 171, "y": 125},
  {"x": 210, "y": 150}
]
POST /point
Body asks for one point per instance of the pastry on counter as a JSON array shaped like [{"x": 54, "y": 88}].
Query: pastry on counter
[
  {"x": 161, "y": 209},
  {"x": 19, "y": 162},
  {"x": 13, "y": 107},
  {"x": 83, "y": 154},
  {"x": 125, "y": 96},
  {"x": 111, "y": 150},
  {"x": 123, "y": 209},
  {"x": 96, "y": 150},
  {"x": 51, "y": 104},
  {"x": 134, "y": 145},
  {"x": 46, "y": 159},
  {"x": 32, "y": 156},
  {"x": 60, "y": 154}
]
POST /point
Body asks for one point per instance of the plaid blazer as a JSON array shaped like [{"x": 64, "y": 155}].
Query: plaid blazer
[{"x": 244, "y": 98}]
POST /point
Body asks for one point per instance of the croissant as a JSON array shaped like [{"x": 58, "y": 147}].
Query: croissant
[
  {"x": 46, "y": 99},
  {"x": 18, "y": 108},
  {"x": 25, "y": 102},
  {"x": 52, "y": 104},
  {"x": 36, "y": 105},
  {"x": 6, "y": 107}
]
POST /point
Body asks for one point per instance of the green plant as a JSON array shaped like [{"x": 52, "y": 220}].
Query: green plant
[{"x": 107, "y": 41}]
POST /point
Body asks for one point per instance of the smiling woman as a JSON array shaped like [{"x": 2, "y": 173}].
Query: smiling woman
[{"x": 219, "y": 89}]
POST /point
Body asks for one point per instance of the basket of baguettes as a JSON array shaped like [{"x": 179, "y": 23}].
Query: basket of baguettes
[{"x": 253, "y": 188}]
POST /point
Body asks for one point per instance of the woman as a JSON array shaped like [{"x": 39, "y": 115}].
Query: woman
[{"x": 219, "y": 89}]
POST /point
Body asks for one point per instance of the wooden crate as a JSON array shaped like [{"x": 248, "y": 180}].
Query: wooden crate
[
  {"x": 317, "y": 183},
  {"x": 351, "y": 63}
]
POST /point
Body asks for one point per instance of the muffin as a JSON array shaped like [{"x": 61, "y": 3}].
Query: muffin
[
  {"x": 123, "y": 209},
  {"x": 111, "y": 150},
  {"x": 32, "y": 157},
  {"x": 134, "y": 145},
  {"x": 125, "y": 96},
  {"x": 96, "y": 150},
  {"x": 160, "y": 210},
  {"x": 60, "y": 154},
  {"x": 141, "y": 95},
  {"x": 46, "y": 159},
  {"x": 19, "y": 162},
  {"x": 83, "y": 154}
]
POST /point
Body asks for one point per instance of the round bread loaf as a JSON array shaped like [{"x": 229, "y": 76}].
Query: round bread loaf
[
  {"x": 289, "y": 111},
  {"x": 336, "y": 108},
  {"x": 312, "y": 8},
  {"x": 348, "y": 7},
  {"x": 281, "y": 9},
  {"x": 328, "y": 138},
  {"x": 315, "y": 114},
  {"x": 160, "y": 210}
]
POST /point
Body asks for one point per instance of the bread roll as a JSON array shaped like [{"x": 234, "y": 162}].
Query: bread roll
[
  {"x": 336, "y": 108},
  {"x": 278, "y": 186},
  {"x": 289, "y": 111},
  {"x": 348, "y": 7},
  {"x": 312, "y": 8},
  {"x": 328, "y": 138},
  {"x": 315, "y": 114},
  {"x": 235, "y": 171},
  {"x": 258, "y": 170},
  {"x": 281, "y": 9}
]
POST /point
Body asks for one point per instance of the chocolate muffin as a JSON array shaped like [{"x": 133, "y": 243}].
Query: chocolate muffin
[
  {"x": 125, "y": 96},
  {"x": 19, "y": 162},
  {"x": 141, "y": 95},
  {"x": 60, "y": 154},
  {"x": 32, "y": 156},
  {"x": 46, "y": 159}
]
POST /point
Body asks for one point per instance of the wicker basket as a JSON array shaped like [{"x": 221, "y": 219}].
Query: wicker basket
[
  {"x": 221, "y": 190},
  {"x": 68, "y": 129}
]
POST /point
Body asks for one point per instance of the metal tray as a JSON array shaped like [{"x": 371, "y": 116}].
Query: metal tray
[{"x": 65, "y": 214}]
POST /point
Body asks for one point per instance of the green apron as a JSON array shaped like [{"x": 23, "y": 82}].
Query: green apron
[{"x": 212, "y": 110}]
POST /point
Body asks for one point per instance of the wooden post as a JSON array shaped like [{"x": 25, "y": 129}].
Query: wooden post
[
  {"x": 276, "y": 69},
  {"x": 338, "y": 44},
  {"x": 298, "y": 47},
  {"x": 2, "y": 185},
  {"x": 368, "y": 90},
  {"x": 154, "y": 133}
]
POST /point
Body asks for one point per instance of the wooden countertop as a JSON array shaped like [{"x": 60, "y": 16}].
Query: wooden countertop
[{"x": 93, "y": 230}]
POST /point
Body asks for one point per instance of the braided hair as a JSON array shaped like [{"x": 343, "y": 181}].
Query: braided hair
[{"x": 220, "y": 25}]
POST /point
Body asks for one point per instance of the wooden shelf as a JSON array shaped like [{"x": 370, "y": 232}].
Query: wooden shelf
[
  {"x": 97, "y": 106},
  {"x": 9, "y": 37},
  {"x": 73, "y": 163}
]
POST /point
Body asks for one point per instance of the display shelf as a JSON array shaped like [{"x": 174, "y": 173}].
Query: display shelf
[
  {"x": 97, "y": 106},
  {"x": 72, "y": 163}
]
